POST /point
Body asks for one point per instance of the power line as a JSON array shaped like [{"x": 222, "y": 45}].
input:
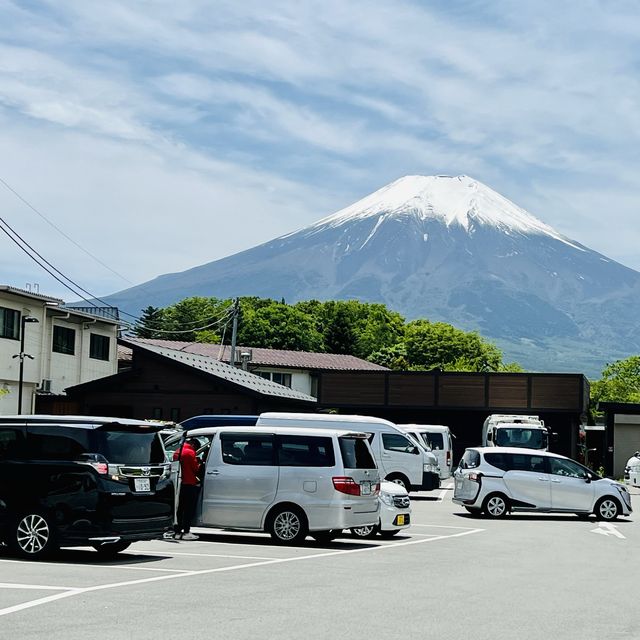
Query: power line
[{"x": 26, "y": 202}]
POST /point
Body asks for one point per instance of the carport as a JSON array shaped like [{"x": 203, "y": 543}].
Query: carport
[{"x": 461, "y": 400}]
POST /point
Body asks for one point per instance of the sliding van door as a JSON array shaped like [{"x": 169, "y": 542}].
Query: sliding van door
[{"x": 241, "y": 480}]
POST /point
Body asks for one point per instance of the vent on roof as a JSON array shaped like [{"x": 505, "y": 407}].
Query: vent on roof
[{"x": 244, "y": 356}]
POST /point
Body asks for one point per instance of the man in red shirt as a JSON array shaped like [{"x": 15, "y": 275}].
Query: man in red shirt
[{"x": 189, "y": 488}]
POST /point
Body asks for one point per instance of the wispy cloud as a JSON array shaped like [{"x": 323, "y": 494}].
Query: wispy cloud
[{"x": 261, "y": 118}]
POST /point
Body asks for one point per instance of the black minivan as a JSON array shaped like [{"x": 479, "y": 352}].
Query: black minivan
[{"x": 82, "y": 481}]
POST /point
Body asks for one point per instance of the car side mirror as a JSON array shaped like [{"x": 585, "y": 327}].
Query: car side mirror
[{"x": 587, "y": 479}]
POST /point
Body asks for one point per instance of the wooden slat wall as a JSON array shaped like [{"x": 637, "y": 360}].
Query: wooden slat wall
[
  {"x": 461, "y": 391},
  {"x": 347, "y": 388},
  {"x": 505, "y": 392},
  {"x": 555, "y": 392},
  {"x": 410, "y": 390}
]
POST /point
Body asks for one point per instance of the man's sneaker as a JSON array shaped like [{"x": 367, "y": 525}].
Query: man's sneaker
[{"x": 189, "y": 536}]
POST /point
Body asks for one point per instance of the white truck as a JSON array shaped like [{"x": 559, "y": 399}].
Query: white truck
[{"x": 507, "y": 430}]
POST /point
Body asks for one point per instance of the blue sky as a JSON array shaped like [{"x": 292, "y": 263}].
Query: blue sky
[{"x": 161, "y": 135}]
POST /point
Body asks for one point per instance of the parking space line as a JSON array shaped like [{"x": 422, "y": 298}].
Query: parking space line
[
  {"x": 205, "y": 555},
  {"x": 37, "y": 587},
  {"x": 127, "y": 583},
  {"x": 444, "y": 492},
  {"x": 445, "y": 526}
]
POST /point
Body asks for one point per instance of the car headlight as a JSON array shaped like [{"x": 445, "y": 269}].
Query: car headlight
[
  {"x": 430, "y": 468},
  {"x": 387, "y": 498}
]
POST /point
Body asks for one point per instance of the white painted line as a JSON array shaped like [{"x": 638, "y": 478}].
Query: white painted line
[
  {"x": 444, "y": 492},
  {"x": 445, "y": 526},
  {"x": 608, "y": 529},
  {"x": 115, "y": 585},
  {"x": 204, "y": 555},
  {"x": 37, "y": 587}
]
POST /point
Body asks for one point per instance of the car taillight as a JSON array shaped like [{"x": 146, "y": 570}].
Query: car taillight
[
  {"x": 448, "y": 458},
  {"x": 101, "y": 467},
  {"x": 475, "y": 476},
  {"x": 376, "y": 489},
  {"x": 346, "y": 485}
]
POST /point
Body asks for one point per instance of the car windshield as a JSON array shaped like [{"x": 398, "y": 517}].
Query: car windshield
[{"x": 521, "y": 437}]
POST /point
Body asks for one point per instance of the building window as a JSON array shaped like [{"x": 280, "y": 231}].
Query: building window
[
  {"x": 157, "y": 413},
  {"x": 277, "y": 377},
  {"x": 64, "y": 340},
  {"x": 175, "y": 414},
  {"x": 9, "y": 323},
  {"x": 99, "y": 347}
]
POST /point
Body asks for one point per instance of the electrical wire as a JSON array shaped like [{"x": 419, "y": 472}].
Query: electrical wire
[{"x": 26, "y": 202}]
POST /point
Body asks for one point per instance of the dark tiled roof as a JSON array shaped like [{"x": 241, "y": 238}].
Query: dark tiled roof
[
  {"x": 226, "y": 372},
  {"x": 272, "y": 357},
  {"x": 29, "y": 294}
]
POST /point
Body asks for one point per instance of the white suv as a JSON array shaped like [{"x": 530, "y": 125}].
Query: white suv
[
  {"x": 496, "y": 480},
  {"x": 395, "y": 512}
]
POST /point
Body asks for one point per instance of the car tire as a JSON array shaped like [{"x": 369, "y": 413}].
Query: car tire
[
  {"x": 398, "y": 478},
  {"x": 390, "y": 533},
  {"x": 33, "y": 535},
  {"x": 369, "y": 531},
  {"x": 607, "y": 508},
  {"x": 287, "y": 525},
  {"x": 325, "y": 536},
  {"x": 495, "y": 505},
  {"x": 111, "y": 549}
]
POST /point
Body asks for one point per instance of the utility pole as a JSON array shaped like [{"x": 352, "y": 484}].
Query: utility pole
[{"x": 234, "y": 332}]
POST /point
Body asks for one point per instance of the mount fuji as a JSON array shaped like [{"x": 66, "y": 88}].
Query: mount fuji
[{"x": 445, "y": 248}]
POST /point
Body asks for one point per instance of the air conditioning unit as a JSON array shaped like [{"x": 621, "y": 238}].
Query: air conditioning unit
[{"x": 45, "y": 385}]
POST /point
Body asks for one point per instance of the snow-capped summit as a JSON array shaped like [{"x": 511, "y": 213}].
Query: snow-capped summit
[{"x": 454, "y": 200}]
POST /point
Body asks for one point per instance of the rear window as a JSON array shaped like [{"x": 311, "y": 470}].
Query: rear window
[
  {"x": 305, "y": 451},
  {"x": 116, "y": 445},
  {"x": 470, "y": 459},
  {"x": 433, "y": 440},
  {"x": 355, "y": 453}
]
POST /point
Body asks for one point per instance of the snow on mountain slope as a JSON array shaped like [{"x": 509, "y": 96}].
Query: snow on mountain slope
[{"x": 458, "y": 200}]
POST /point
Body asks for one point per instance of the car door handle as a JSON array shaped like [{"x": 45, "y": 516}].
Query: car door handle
[
  {"x": 543, "y": 479},
  {"x": 557, "y": 481},
  {"x": 213, "y": 472}
]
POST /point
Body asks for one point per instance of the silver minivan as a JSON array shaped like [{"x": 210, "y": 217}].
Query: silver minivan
[
  {"x": 496, "y": 480},
  {"x": 288, "y": 482}
]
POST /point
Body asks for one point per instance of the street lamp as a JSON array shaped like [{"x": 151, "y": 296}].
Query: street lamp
[{"x": 22, "y": 355}]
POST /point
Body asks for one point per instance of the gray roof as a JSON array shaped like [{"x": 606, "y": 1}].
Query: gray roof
[{"x": 226, "y": 372}]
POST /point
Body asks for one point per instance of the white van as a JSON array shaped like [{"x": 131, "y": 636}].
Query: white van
[
  {"x": 287, "y": 482},
  {"x": 399, "y": 458},
  {"x": 438, "y": 439}
]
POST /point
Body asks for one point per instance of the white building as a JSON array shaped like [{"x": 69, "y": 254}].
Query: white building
[{"x": 60, "y": 347}]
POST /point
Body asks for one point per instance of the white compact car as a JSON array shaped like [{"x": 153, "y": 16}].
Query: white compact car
[
  {"x": 632, "y": 470},
  {"x": 496, "y": 480},
  {"x": 395, "y": 512}
]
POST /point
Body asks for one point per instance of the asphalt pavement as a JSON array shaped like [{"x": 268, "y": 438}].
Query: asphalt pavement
[{"x": 449, "y": 576}]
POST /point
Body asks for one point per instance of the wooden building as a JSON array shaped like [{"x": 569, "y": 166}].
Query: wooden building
[{"x": 462, "y": 400}]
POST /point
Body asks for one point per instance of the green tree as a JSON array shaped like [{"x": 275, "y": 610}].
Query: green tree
[
  {"x": 196, "y": 319},
  {"x": 431, "y": 345},
  {"x": 279, "y": 326},
  {"x": 620, "y": 382},
  {"x": 149, "y": 324}
]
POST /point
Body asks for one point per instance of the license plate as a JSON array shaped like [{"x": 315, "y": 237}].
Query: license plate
[
  {"x": 142, "y": 484},
  {"x": 365, "y": 488},
  {"x": 400, "y": 520}
]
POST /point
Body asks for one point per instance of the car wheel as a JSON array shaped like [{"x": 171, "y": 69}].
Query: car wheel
[
  {"x": 33, "y": 535},
  {"x": 496, "y": 505},
  {"x": 607, "y": 509},
  {"x": 401, "y": 480},
  {"x": 474, "y": 511},
  {"x": 389, "y": 534},
  {"x": 110, "y": 549},
  {"x": 287, "y": 525},
  {"x": 369, "y": 531}
]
